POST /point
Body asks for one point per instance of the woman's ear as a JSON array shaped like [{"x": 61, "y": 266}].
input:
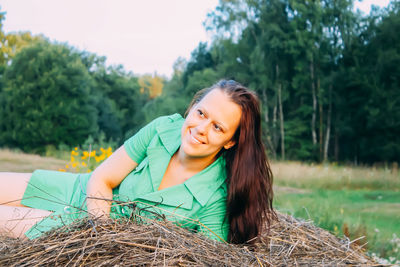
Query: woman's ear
[{"x": 229, "y": 144}]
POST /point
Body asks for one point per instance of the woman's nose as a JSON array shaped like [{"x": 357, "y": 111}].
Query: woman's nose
[{"x": 202, "y": 127}]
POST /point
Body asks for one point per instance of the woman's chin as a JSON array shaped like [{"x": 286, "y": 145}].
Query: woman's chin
[
  {"x": 193, "y": 153},
  {"x": 190, "y": 151}
]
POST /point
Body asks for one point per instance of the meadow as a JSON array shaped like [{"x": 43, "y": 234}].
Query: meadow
[
  {"x": 359, "y": 203},
  {"x": 14, "y": 161}
]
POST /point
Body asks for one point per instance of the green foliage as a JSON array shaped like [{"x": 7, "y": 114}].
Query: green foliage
[
  {"x": 172, "y": 100},
  {"x": 46, "y": 98},
  {"x": 370, "y": 79},
  {"x": 199, "y": 80},
  {"x": 119, "y": 102},
  {"x": 301, "y": 147},
  {"x": 201, "y": 59},
  {"x": 97, "y": 143}
]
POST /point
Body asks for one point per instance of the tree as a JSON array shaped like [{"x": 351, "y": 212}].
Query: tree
[
  {"x": 46, "y": 98},
  {"x": 12, "y": 43},
  {"x": 370, "y": 80},
  {"x": 153, "y": 85},
  {"x": 172, "y": 99},
  {"x": 200, "y": 59}
]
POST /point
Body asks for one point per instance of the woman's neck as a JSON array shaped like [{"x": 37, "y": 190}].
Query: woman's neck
[{"x": 193, "y": 164}]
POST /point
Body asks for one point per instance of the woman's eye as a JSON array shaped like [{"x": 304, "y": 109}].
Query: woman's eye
[
  {"x": 216, "y": 127},
  {"x": 201, "y": 114}
]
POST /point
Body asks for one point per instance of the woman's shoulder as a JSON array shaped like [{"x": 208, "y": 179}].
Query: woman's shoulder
[
  {"x": 161, "y": 122},
  {"x": 136, "y": 145},
  {"x": 175, "y": 117},
  {"x": 167, "y": 119}
]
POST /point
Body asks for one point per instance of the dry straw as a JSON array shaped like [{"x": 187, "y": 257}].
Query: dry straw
[{"x": 289, "y": 242}]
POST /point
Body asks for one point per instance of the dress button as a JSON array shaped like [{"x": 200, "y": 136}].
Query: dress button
[{"x": 67, "y": 209}]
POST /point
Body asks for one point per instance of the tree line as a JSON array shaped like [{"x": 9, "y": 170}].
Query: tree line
[{"x": 327, "y": 78}]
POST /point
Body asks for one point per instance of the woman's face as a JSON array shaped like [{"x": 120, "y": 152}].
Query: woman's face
[{"x": 210, "y": 125}]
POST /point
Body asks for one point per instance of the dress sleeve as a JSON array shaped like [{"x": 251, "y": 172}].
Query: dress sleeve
[
  {"x": 213, "y": 221},
  {"x": 136, "y": 146}
]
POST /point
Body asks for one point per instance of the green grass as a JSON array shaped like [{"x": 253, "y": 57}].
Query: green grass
[
  {"x": 345, "y": 200},
  {"x": 373, "y": 214}
]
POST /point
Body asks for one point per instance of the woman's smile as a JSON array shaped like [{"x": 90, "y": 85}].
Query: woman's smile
[{"x": 194, "y": 139}]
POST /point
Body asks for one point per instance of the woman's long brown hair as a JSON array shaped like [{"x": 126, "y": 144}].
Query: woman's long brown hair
[{"x": 249, "y": 176}]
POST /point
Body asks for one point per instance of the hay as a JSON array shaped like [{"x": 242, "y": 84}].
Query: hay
[{"x": 290, "y": 242}]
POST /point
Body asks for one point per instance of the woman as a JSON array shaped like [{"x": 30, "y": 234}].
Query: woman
[{"x": 207, "y": 172}]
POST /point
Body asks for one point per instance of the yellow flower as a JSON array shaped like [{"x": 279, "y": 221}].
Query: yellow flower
[
  {"x": 89, "y": 170},
  {"x": 100, "y": 158},
  {"x": 74, "y": 153},
  {"x": 93, "y": 153},
  {"x": 74, "y": 164},
  {"x": 85, "y": 155},
  {"x": 109, "y": 151},
  {"x": 62, "y": 170},
  {"x": 72, "y": 159},
  {"x": 67, "y": 166},
  {"x": 76, "y": 148},
  {"x": 102, "y": 150},
  {"x": 84, "y": 164}
]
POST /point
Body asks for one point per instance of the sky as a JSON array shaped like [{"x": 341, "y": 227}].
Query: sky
[{"x": 145, "y": 36}]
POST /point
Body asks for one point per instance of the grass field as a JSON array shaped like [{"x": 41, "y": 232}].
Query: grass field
[
  {"x": 347, "y": 201},
  {"x": 11, "y": 161}
]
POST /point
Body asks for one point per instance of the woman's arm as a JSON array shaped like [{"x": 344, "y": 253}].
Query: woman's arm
[
  {"x": 106, "y": 177},
  {"x": 112, "y": 171}
]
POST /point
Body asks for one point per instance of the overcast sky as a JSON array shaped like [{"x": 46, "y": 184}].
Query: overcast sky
[{"x": 145, "y": 36}]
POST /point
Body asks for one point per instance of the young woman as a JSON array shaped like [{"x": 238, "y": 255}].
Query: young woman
[{"x": 207, "y": 172}]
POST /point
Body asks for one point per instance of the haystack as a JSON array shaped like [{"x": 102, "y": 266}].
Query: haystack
[{"x": 290, "y": 242}]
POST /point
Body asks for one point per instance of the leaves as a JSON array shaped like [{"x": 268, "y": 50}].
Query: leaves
[{"x": 47, "y": 98}]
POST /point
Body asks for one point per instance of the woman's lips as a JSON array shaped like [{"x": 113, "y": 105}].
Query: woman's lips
[{"x": 194, "y": 139}]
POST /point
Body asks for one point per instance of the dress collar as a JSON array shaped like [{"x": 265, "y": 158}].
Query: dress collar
[
  {"x": 203, "y": 184},
  {"x": 170, "y": 133}
]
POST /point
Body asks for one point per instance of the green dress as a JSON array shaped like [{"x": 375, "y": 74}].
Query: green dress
[{"x": 199, "y": 203}]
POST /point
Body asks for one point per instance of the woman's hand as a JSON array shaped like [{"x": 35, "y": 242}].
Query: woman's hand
[{"x": 104, "y": 178}]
